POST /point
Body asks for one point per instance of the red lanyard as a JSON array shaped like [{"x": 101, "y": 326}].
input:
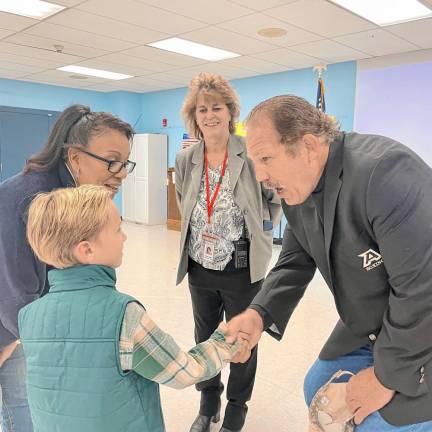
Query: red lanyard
[{"x": 210, "y": 203}]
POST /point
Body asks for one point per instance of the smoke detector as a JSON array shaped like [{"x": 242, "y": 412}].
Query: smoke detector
[{"x": 272, "y": 32}]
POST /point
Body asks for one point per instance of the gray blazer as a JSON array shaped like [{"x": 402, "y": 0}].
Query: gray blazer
[
  {"x": 376, "y": 256},
  {"x": 260, "y": 206}
]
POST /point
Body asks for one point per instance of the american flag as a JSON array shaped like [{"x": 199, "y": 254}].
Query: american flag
[
  {"x": 188, "y": 141},
  {"x": 320, "y": 101}
]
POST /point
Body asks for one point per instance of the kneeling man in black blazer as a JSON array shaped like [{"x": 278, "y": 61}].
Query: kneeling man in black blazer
[{"x": 359, "y": 208}]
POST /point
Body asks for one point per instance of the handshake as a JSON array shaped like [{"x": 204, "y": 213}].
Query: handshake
[{"x": 245, "y": 330}]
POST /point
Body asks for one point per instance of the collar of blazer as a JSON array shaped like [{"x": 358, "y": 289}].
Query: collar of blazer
[
  {"x": 236, "y": 155},
  {"x": 332, "y": 186}
]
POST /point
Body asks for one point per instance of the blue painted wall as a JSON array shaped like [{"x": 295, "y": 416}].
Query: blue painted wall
[
  {"x": 340, "y": 82},
  {"x": 150, "y": 108},
  {"x": 165, "y": 104},
  {"x": 42, "y": 96}
]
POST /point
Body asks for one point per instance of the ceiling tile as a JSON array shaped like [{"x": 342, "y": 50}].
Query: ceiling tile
[
  {"x": 79, "y": 37},
  {"x": 208, "y": 12},
  {"x": 330, "y": 51},
  {"x": 113, "y": 67},
  {"x": 418, "y": 32},
  {"x": 288, "y": 58},
  {"x": 68, "y": 3},
  {"x": 38, "y": 53},
  {"x": 11, "y": 73},
  {"x": 29, "y": 40},
  {"x": 25, "y": 60},
  {"x": 111, "y": 35},
  {"x": 65, "y": 78},
  {"x": 170, "y": 77},
  {"x": 140, "y": 14},
  {"x": 150, "y": 54},
  {"x": 254, "y": 64},
  {"x": 147, "y": 80},
  {"x": 225, "y": 70},
  {"x": 249, "y": 26},
  {"x": 321, "y": 17},
  {"x": 27, "y": 68},
  {"x": 376, "y": 42},
  {"x": 130, "y": 85},
  {"x": 100, "y": 25},
  {"x": 145, "y": 64},
  {"x": 260, "y": 5},
  {"x": 227, "y": 40},
  {"x": 102, "y": 88},
  {"x": 15, "y": 22},
  {"x": 50, "y": 81},
  {"x": 4, "y": 33}
]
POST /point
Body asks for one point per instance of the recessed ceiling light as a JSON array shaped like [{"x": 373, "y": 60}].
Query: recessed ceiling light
[
  {"x": 37, "y": 9},
  {"x": 272, "y": 32},
  {"x": 94, "y": 72},
  {"x": 386, "y": 12},
  {"x": 193, "y": 49}
]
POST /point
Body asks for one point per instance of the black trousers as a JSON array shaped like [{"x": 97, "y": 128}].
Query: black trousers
[{"x": 214, "y": 293}]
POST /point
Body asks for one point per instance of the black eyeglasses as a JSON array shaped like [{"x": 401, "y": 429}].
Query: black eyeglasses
[{"x": 114, "y": 166}]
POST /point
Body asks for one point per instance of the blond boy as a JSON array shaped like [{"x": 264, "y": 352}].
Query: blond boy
[{"x": 94, "y": 355}]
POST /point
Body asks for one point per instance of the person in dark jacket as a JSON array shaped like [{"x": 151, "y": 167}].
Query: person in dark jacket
[
  {"x": 84, "y": 147},
  {"x": 359, "y": 209}
]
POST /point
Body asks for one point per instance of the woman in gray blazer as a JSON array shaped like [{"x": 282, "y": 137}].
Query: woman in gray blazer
[{"x": 226, "y": 235}]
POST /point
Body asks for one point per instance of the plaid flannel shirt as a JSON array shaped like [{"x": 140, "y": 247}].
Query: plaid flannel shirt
[{"x": 153, "y": 354}]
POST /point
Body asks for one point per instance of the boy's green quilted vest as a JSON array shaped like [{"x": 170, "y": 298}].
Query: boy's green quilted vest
[{"x": 71, "y": 342}]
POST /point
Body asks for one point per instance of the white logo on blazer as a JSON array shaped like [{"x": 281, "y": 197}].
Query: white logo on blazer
[{"x": 371, "y": 259}]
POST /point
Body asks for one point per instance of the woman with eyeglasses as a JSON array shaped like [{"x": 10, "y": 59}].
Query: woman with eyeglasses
[{"x": 84, "y": 147}]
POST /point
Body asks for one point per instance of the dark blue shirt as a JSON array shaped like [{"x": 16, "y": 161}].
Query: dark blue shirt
[{"x": 22, "y": 276}]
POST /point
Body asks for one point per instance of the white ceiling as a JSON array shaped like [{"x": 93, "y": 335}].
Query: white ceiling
[{"x": 112, "y": 34}]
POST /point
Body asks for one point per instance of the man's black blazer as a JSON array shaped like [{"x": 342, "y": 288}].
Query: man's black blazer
[{"x": 376, "y": 256}]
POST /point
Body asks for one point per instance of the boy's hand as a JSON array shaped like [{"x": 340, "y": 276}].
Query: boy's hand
[
  {"x": 223, "y": 327},
  {"x": 243, "y": 353},
  {"x": 243, "y": 348}
]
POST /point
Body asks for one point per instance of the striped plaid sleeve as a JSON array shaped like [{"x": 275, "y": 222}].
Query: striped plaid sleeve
[{"x": 156, "y": 356}]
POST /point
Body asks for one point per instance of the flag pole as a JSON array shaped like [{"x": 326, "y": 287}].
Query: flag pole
[{"x": 319, "y": 69}]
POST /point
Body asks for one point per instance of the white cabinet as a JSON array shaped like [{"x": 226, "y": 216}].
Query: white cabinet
[{"x": 144, "y": 195}]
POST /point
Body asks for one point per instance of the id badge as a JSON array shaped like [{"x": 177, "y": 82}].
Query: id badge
[{"x": 209, "y": 246}]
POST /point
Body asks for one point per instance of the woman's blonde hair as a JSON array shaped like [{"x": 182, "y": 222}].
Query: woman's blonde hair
[
  {"x": 214, "y": 86},
  {"x": 59, "y": 220}
]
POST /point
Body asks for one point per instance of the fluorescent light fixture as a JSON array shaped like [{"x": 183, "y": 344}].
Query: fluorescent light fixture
[
  {"x": 386, "y": 12},
  {"x": 30, "y": 8},
  {"x": 193, "y": 49},
  {"x": 94, "y": 72}
]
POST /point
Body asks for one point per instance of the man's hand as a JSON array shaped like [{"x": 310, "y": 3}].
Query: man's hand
[
  {"x": 246, "y": 327},
  {"x": 365, "y": 394}
]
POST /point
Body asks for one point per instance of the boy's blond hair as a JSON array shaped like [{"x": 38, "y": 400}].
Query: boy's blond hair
[{"x": 60, "y": 219}]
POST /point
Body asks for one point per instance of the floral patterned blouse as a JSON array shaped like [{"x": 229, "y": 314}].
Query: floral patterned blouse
[{"x": 227, "y": 222}]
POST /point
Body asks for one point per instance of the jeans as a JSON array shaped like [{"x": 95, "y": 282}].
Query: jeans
[
  {"x": 322, "y": 370},
  {"x": 15, "y": 413}
]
